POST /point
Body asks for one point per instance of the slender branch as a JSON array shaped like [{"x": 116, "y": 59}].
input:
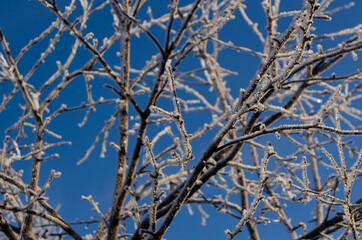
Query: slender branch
[
  {"x": 289, "y": 128},
  {"x": 7, "y": 229}
]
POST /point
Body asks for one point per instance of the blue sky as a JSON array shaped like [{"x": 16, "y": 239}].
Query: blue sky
[{"x": 22, "y": 20}]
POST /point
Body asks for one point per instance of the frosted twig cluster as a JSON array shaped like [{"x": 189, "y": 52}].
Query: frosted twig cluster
[{"x": 252, "y": 108}]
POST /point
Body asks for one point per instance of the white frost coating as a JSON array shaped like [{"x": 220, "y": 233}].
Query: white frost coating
[
  {"x": 168, "y": 63},
  {"x": 95, "y": 42},
  {"x": 84, "y": 4},
  {"x": 35, "y": 98},
  {"x": 106, "y": 41},
  {"x": 89, "y": 35},
  {"x": 56, "y": 174},
  {"x": 115, "y": 146},
  {"x": 354, "y": 56},
  {"x": 88, "y": 237}
]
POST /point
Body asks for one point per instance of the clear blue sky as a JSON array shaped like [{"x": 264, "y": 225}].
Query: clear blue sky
[{"x": 22, "y": 20}]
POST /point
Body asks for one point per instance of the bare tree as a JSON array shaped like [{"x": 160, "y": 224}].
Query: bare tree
[{"x": 280, "y": 141}]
